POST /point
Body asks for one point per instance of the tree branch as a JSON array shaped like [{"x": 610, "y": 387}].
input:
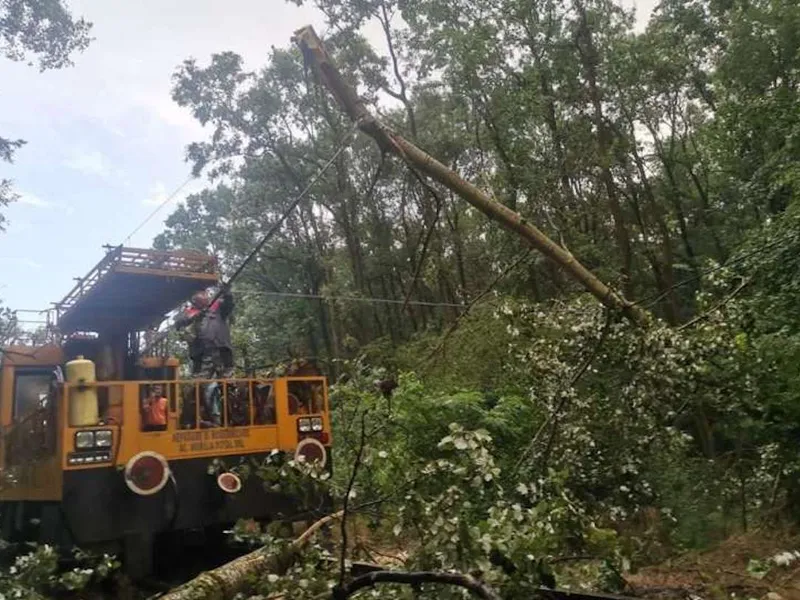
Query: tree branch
[
  {"x": 716, "y": 307},
  {"x": 513, "y": 265},
  {"x": 553, "y": 416},
  {"x": 402, "y": 96},
  {"x": 346, "y": 502},
  {"x": 428, "y": 237},
  {"x": 556, "y": 415},
  {"x": 315, "y": 54},
  {"x": 475, "y": 587},
  {"x": 226, "y": 581}
]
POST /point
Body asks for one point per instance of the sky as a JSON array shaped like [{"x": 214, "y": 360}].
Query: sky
[{"x": 106, "y": 143}]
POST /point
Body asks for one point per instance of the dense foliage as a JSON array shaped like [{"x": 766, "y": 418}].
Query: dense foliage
[
  {"x": 37, "y": 572},
  {"x": 533, "y": 424},
  {"x": 530, "y": 425},
  {"x": 649, "y": 156}
]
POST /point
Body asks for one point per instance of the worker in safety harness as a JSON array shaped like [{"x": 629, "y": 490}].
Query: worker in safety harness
[{"x": 210, "y": 345}]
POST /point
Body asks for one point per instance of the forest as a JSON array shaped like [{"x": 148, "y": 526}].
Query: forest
[{"x": 493, "y": 418}]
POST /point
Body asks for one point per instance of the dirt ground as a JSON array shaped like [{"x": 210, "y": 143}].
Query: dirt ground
[
  {"x": 720, "y": 573},
  {"x": 723, "y": 571}
]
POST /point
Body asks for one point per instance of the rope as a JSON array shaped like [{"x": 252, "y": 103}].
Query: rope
[
  {"x": 353, "y": 299},
  {"x": 277, "y": 225},
  {"x": 157, "y": 210},
  {"x": 273, "y": 229},
  {"x": 649, "y": 301}
]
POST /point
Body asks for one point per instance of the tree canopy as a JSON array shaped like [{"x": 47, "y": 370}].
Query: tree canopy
[
  {"x": 665, "y": 160},
  {"x": 650, "y": 156},
  {"x": 531, "y": 427}
]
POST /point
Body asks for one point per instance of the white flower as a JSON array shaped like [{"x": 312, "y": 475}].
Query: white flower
[{"x": 784, "y": 559}]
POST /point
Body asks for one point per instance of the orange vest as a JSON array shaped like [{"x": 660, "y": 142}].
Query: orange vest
[{"x": 155, "y": 412}]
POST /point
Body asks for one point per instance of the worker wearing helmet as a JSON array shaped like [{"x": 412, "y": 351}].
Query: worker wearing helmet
[{"x": 210, "y": 345}]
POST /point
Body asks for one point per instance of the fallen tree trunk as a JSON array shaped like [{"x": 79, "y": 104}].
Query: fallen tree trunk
[
  {"x": 226, "y": 581},
  {"x": 316, "y": 56},
  {"x": 475, "y": 587}
]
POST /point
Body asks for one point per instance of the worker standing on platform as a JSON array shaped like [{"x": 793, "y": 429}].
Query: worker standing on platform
[
  {"x": 154, "y": 410},
  {"x": 210, "y": 345}
]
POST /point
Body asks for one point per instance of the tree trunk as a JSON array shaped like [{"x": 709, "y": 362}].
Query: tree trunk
[
  {"x": 317, "y": 57},
  {"x": 673, "y": 195},
  {"x": 590, "y": 59},
  {"x": 226, "y": 581},
  {"x": 666, "y": 284}
]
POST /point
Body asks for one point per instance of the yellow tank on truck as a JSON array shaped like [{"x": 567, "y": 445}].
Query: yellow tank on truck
[{"x": 83, "y": 407}]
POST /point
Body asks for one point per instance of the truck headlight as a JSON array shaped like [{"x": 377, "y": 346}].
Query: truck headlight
[
  {"x": 304, "y": 425},
  {"x": 84, "y": 440},
  {"x": 102, "y": 438},
  {"x": 316, "y": 424}
]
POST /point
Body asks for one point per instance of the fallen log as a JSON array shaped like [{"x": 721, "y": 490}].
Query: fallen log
[
  {"x": 469, "y": 583},
  {"x": 224, "y": 582},
  {"x": 316, "y": 56}
]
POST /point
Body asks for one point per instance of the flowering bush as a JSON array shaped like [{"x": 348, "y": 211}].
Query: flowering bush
[{"x": 36, "y": 573}]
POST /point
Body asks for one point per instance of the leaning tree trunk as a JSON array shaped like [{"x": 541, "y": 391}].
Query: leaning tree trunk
[
  {"x": 224, "y": 582},
  {"x": 315, "y": 55}
]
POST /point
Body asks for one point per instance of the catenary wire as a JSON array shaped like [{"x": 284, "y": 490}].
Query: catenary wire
[
  {"x": 157, "y": 209},
  {"x": 285, "y": 215},
  {"x": 351, "y": 299},
  {"x": 277, "y": 224},
  {"x": 649, "y": 301}
]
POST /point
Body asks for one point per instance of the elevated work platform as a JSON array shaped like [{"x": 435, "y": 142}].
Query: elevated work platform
[{"x": 132, "y": 289}]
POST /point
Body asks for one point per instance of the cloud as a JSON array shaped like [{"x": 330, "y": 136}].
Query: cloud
[
  {"x": 24, "y": 262},
  {"x": 159, "y": 192},
  {"x": 178, "y": 193},
  {"x": 91, "y": 163},
  {"x": 160, "y": 104},
  {"x": 157, "y": 195},
  {"x": 28, "y": 199},
  {"x": 95, "y": 164}
]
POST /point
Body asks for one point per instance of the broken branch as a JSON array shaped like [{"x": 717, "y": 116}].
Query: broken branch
[
  {"x": 475, "y": 587},
  {"x": 314, "y": 54},
  {"x": 226, "y": 581}
]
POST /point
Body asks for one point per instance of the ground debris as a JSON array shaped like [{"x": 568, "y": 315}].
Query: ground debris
[{"x": 743, "y": 567}]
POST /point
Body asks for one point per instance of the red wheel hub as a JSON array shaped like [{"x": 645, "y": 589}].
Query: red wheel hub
[
  {"x": 146, "y": 473},
  {"x": 229, "y": 482},
  {"x": 311, "y": 450}
]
